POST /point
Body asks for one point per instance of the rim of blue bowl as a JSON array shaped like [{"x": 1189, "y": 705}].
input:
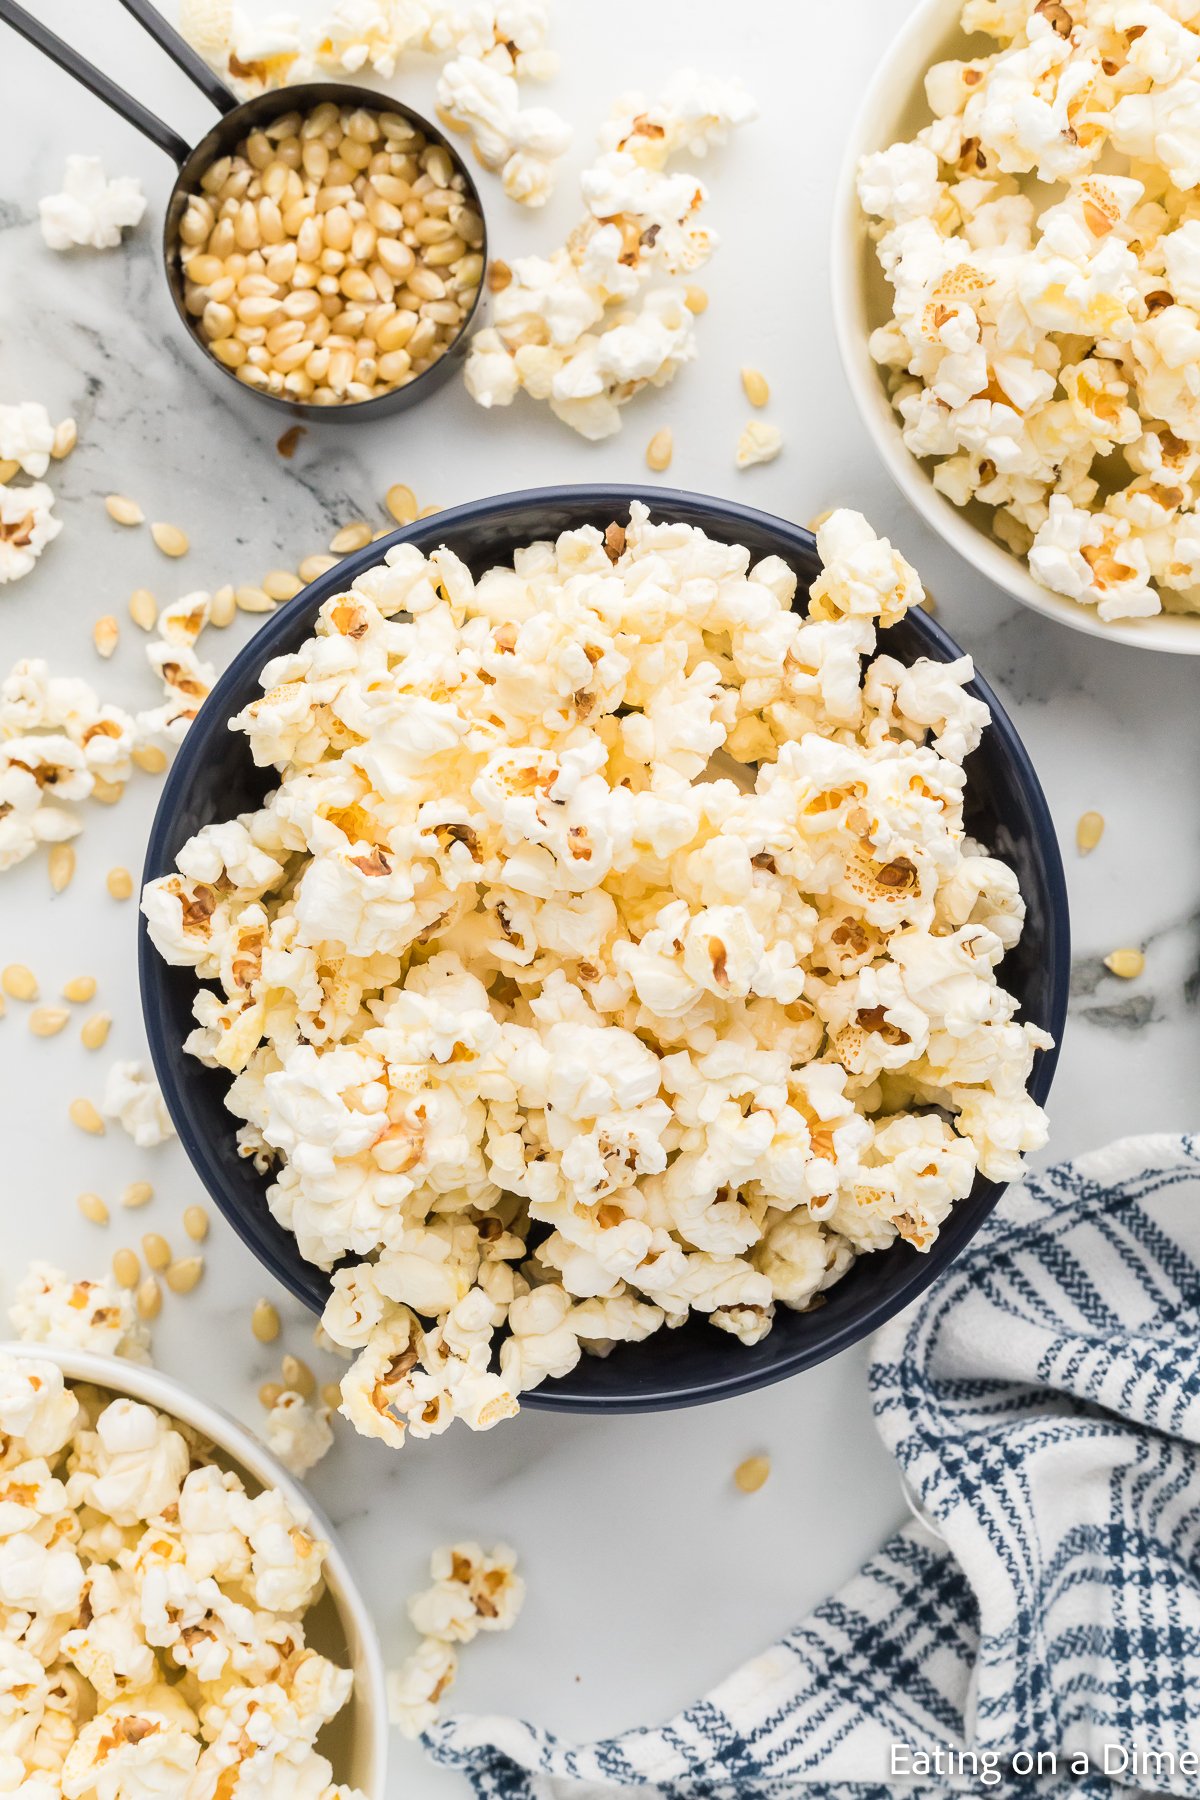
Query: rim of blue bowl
[{"x": 286, "y": 628}]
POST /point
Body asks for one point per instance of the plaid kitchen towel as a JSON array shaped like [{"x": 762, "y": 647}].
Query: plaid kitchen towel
[{"x": 1043, "y": 1402}]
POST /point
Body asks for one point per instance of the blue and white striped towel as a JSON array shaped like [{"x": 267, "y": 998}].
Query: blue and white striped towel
[{"x": 1043, "y": 1402}]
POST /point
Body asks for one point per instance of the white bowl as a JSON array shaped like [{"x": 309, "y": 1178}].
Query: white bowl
[
  {"x": 339, "y": 1625},
  {"x": 894, "y": 106}
]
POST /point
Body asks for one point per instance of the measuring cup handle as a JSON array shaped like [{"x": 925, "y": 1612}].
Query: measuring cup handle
[
  {"x": 94, "y": 80},
  {"x": 181, "y": 53}
]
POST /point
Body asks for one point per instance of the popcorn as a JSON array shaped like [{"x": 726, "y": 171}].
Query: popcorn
[
  {"x": 132, "y": 1098},
  {"x": 298, "y": 1432},
  {"x": 415, "y": 1688},
  {"x": 58, "y": 743},
  {"x": 26, "y": 437},
  {"x": 97, "y": 1316},
  {"x": 588, "y": 327},
  {"x": 759, "y": 442},
  {"x": 523, "y": 143},
  {"x": 91, "y": 210},
  {"x": 509, "y": 36},
  {"x": 140, "y": 1633},
  {"x": 27, "y": 525},
  {"x": 606, "y": 928},
  {"x": 252, "y": 54},
  {"x": 1031, "y": 343},
  {"x": 470, "y": 1592}
]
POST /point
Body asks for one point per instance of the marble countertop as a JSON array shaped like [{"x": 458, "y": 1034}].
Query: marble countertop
[{"x": 649, "y": 1576}]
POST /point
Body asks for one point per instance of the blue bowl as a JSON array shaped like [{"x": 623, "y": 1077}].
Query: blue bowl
[{"x": 213, "y": 778}]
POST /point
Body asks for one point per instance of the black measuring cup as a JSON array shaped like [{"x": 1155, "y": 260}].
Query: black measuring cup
[{"x": 238, "y": 119}]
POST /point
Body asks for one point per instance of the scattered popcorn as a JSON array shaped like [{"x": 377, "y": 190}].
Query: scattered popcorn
[
  {"x": 27, "y": 525},
  {"x": 590, "y": 326},
  {"x": 251, "y": 54},
  {"x": 27, "y": 437},
  {"x": 298, "y": 1432},
  {"x": 357, "y": 35},
  {"x": 48, "y": 1308},
  {"x": 471, "y": 1592},
  {"x": 609, "y": 948},
  {"x": 91, "y": 209},
  {"x": 523, "y": 143},
  {"x": 1044, "y": 348},
  {"x": 760, "y": 442},
  {"x": 152, "y": 1610},
  {"x": 416, "y": 1687},
  {"x": 133, "y": 1099},
  {"x": 57, "y": 742}
]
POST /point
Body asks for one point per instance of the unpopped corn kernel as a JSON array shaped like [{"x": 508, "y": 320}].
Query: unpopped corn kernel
[
  {"x": 93, "y": 1208},
  {"x": 93, "y": 1033},
  {"x": 127, "y": 1271},
  {"x": 195, "y": 1223},
  {"x": 149, "y": 1298},
  {"x": 143, "y": 609},
  {"x": 156, "y": 1250},
  {"x": 183, "y": 1275},
  {"x": 149, "y": 758},
  {"x": 253, "y": 600},
  {"x": 401, "y": 502},
  {"x": 19, "y": 982},
  {"x": 48, "y": 1021},
  {"x": 79, "y": 988},
  {"x": 224, "y": 608},
  {"x": 66, "y": 436},
  {"x": 138, "y": 1193},
  {"x": 269, "y": 1394},
  {"x": 106, "y": 635},
  {"x": 170, "y": 539},
  {"x": 119, "y": 883},
  {"x": 264, "y": 1322},
  {"x": 755, "y": 384},
  {"x": 83, "y": 1113},
  {"x": 660, "y": 449},
  {"x": 751, "y": 1474},
  {"x": 61, "y": 866},
  {"x": 281, "y": 584},
  {"x": 298, "y": 1376},
  {"x": 1127, "y": 964},
  {"x": 313, "y": 567},
  {"x": 355, "y": 536},
  {"x": 1089, "y": 831},
  {"x": 123, "y": 510}
]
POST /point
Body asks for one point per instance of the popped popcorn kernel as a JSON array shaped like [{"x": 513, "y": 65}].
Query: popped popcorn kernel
[{"x": 91, "y": 210}]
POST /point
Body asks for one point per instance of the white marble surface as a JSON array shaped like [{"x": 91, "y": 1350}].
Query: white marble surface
[{"x": 648, "y": 1575}]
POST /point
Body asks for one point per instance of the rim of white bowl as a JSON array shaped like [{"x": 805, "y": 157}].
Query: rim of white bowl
[
  {"x": 927, "y": 35},
  {"x": 142, "y": 1382}
]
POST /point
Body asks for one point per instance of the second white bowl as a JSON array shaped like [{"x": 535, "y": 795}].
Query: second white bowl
[
  {"x": 894, "y": 106},
  {"x": 339, "y": 1625}
]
